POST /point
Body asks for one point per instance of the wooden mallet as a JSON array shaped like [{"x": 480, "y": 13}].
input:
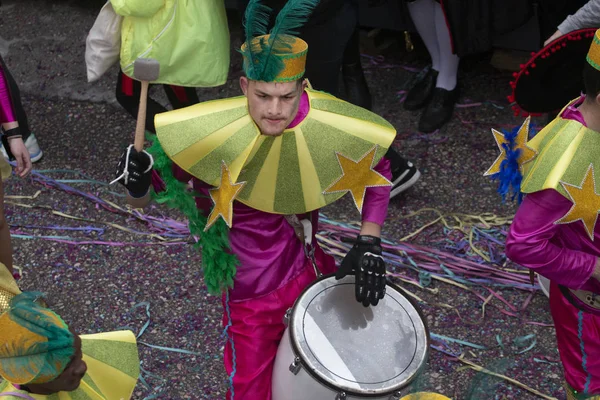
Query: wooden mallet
[{"x": 145, "y": 70}]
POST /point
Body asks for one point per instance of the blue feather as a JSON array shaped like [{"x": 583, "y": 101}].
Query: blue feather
[{"x": 509, "y": 178}]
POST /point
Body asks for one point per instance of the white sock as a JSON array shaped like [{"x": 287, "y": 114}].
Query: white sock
[
  {"x": 448, "y": 61},
  {"x": 422, "y": 13}
]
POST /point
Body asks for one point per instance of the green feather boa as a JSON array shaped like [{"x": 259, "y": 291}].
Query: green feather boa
[{"x": 218, "y": 263}]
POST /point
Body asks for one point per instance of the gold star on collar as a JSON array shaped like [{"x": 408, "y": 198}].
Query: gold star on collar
[
  {"x": 223, "y": 197},
  {"x": 527, "y": 153},
  {"x": 357, "y": 176},
  {"x": 586, "y": 203}
]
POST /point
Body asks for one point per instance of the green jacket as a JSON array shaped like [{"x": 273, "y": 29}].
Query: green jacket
[{"x": 189, "y": 38}]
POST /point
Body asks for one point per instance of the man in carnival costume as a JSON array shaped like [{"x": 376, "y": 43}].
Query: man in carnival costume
[
  {"x": 281, "y": 152},
  {"x": 554, "y": 232},
  {"x": 42, "y": 358}
]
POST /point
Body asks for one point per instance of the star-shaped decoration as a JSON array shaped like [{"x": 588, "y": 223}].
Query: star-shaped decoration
[
  {"x": 527, "y": 153},
  {"x": 357, "y": 176},
  {"x": 586, "y": 203},
  {"x": 223, "y": 197}
]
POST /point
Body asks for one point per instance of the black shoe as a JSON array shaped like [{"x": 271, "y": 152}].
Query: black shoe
[
  {"x": 420, "y": 93},
  {"x": 439, "y": 110},
  {"x": 356, "y": 85},
  {"x": 403, "y": 176}
]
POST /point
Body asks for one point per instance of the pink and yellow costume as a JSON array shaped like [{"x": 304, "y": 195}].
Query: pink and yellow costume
[
  {"x": 272, "y": 273},
  {"x": 264, "y": 188},
  {"x": 37, "y": 346},
  {"x": 566, "y": 254},
  {"x": 554, "y": 232}
]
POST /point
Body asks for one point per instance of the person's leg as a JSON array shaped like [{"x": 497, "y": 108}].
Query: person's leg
[
  {"x": 578, "y": 340},
  {"x": 251, "y": 349},
  {"x": 180, "y": 96},
  {"x": 422, "y": 13},
  {"x": 325, "y": 57},
  {"x": 440, "y": 108},
  {"x": 404, "y": 173},
  {"x": 128, "y": 95},
  {"x": 253, "y": 337},
  {"x": 448, "y": 61},
  {"x": 357, "y": 89}
]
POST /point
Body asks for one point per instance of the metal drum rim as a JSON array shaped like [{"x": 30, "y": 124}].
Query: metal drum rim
[{"x": 349, "y": 392}]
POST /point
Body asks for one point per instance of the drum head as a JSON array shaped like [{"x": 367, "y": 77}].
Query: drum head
[{"x": 360, "y": 350}]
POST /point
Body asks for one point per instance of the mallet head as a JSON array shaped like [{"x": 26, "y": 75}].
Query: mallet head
[{"x": 146, "y": 69}]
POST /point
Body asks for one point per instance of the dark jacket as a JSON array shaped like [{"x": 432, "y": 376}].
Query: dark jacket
[{"x": 474, "y": 23}]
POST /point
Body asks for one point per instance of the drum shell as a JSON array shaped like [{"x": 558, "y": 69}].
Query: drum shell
[
  {"x": 303, "y": 382},
  {"x": 302, "y": 386}
]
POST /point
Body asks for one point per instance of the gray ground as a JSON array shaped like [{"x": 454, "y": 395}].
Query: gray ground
[{"x": 80, "y": 127}]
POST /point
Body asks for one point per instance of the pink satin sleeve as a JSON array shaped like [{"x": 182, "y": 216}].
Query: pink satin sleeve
[
  {"x": 377, "y": 198},
  {"x": 561, "y": 252},
  {"x": 7, "y": 114}
]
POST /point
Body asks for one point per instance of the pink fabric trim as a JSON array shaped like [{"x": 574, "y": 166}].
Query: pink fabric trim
[
  {"x": 573, "y": 113},
  {"x": 7, "y": 113},
  {"x": 303, "y": 109}
]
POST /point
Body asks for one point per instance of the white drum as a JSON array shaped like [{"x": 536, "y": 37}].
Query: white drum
[{"x": 335, "y": 348}]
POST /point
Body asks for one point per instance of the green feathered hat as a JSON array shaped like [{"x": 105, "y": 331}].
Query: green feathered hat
[{"x": 277, "y": 56}]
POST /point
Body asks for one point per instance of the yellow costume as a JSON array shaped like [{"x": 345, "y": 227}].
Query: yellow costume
[
  {"x": 287, "y": 174},
  {"x": 37, "y": 346},
  {"x": 5, "y": 169}
]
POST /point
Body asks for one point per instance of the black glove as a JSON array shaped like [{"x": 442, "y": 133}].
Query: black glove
[
  {"x": 135, "y": 171},
  {"x": 365, "y": 262}
]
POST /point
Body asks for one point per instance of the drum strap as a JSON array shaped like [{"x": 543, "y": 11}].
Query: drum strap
[{"x": 305, "y": 232}]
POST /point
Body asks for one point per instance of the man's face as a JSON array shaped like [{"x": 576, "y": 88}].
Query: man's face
[
  {"x": 70, "y": 378},
  {"x": 272, "y": 105}
]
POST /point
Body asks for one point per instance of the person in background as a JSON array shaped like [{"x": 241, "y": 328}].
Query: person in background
[
  {"x": 587, "y": 16},
  {"x": 201, "y": 60},
  {"x": 18, "y": 143},
  {"x": 436, "y": 92},
  {"x": 12, "y": 137}
]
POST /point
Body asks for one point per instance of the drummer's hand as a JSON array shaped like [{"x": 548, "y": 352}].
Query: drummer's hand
[
  {"x": 364, "y": 261},
  {"x": 552, "y": 38},
  {"x": 135, "y": 171},
  {"x": 21, "y": 155}
]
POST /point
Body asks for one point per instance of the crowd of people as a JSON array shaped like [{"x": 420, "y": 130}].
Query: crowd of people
[{"x": 253, "y": 160}]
